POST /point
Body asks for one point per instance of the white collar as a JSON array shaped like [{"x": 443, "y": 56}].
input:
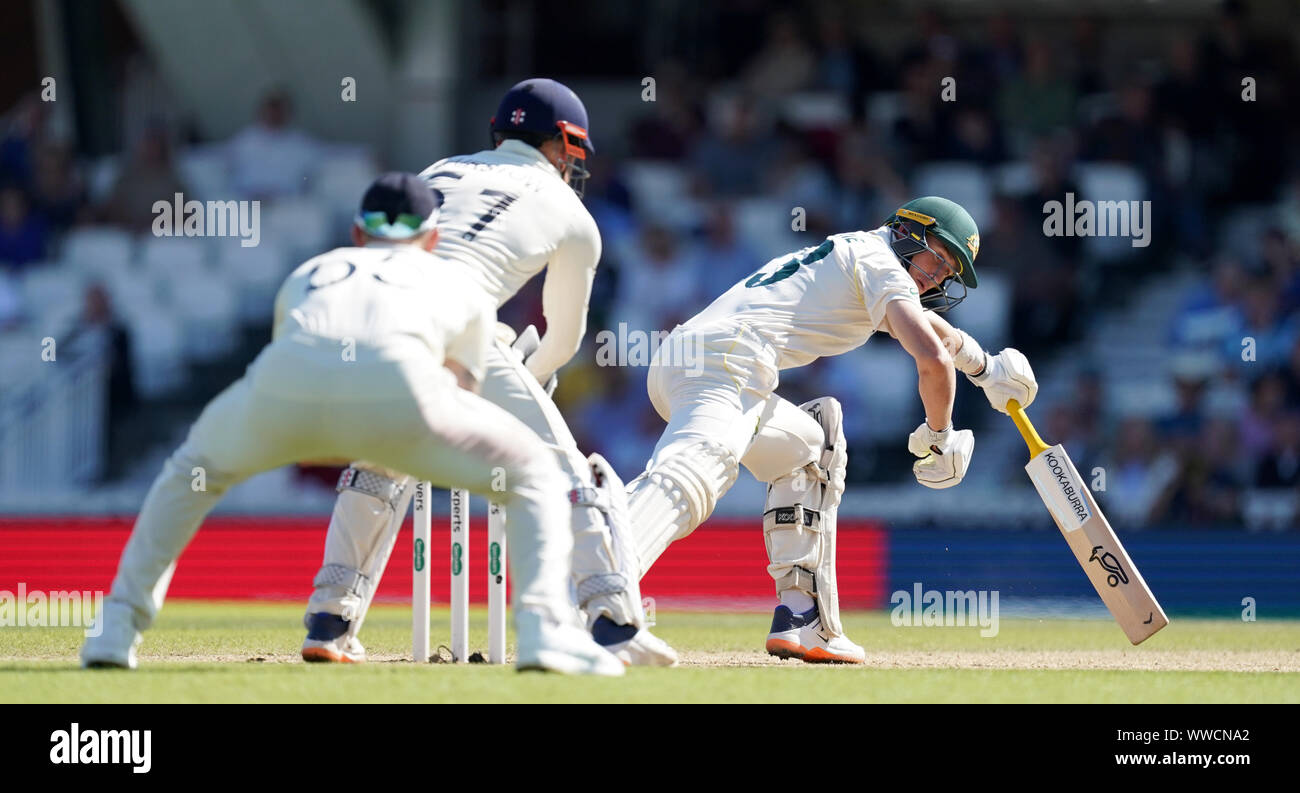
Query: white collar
[{"x": 520, "y": 149}]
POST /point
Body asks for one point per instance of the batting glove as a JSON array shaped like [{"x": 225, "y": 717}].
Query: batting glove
[
  {"x": 1007, "y": 376},
  {"x": 944, "y": 455}
]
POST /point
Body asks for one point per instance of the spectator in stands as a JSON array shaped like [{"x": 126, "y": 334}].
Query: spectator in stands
[
  {"x": 1044, "y": 298},
  {"x": 25, "y": 128},
  {"x": 1140, "y": 476},
  {"x": 794, "y": 176},
  {"x": 1208, "y": 315},
  {"x": 721, "y": 258},
  {"x": 1291, "y": 375},
  {"x": 1260, "y": 318},
  {"x": 1280, "y": 466},
  {"x": 974, "y": 137},
  {"x": 867, "y": 186},
  {"x": 616, "y": 426},
  {"x": 1281, "y": 256},
  {"x": 1207, "y": 488},
  {"x": 1064, "y": 426},
  {"x": 921, "y": 131},
  {"x": 23, "y": 233},
  {"x": 1037, "y": 102},
  {"x": 101, "y": 325},
  {"x": 1128, "y": 136},
  {"x": 11, "y": 307},
  {"x": 784, "y": 64},
  {"x": 658, "y": 285},
  {"x": 672, "y": 121},
  {"x": 1050, "y": 158},
  {"x": 270, "y": 158},
  {"x": 737, "y": 139},
  {"x": 57, "y": 190},
  {"x": 147, "y": 176},
  {"x": 1259, "y": 423}
]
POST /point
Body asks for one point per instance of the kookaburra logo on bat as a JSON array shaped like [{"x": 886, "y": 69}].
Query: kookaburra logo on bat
[{"x": 1111, "y": 564}]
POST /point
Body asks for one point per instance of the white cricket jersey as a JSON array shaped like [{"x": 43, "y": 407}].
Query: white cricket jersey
[
  {"x": 507, "y": 214},
  {"x": 819, "y": 301},
  {"x": 381, "y": 294}
]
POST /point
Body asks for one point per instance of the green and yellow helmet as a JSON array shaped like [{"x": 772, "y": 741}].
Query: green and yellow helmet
[{"x": 933, "y": 216}]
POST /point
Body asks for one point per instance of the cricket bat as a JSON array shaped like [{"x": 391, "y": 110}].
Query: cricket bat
[{"x": 1096, "y": 548}]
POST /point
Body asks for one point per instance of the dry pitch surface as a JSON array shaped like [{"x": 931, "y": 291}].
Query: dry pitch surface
[{"x": 241, "y": 652}]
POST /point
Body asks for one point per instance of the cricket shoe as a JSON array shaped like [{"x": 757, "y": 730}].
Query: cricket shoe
[
  {"x": 632, "y": 645},
  {"x": 551, "y": 646},
  {"x": 796, "y": 636},
  {"x": 328, "y": 641},
  {"x": 115, "y": 644}
]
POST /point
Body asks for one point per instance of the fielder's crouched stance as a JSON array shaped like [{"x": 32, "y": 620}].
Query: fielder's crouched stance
[
  {"x": 714, "y": 379},
  {"x": 376, "y": 349}
]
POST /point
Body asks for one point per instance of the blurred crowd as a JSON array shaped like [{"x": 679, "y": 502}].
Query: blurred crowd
[
  {"x": 807, "y": 111},
  {"x": 813, "y": 117}
]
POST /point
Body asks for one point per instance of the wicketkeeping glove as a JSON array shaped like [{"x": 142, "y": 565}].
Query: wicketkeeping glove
[
  {"x": 525, "y": 345},
  {"x": 945, "y": 455}
]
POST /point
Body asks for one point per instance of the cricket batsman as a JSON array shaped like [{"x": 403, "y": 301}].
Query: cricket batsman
[
  {"x": 823, "y": 300},
  {"x": 376, "y": 353},
  {"x": 507, "y": 213}
]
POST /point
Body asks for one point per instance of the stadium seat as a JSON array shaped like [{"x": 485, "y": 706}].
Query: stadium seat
[
  {"x": 97, "y": 251},
  {"x": 173, "y": 264},
  {"x": 1015, "y": 178},
  {"x": 962, "y": 182},
  {"x": 209, "y": 313},
  {"x": 256, "y": 273},
  {"x": 339, "y": 183},
  {"x": 301, "y": 225},
  {"x": 203, "y": 171},
  {"x": 1105, "y": 181},
  {"x": 101, "y": 175},
  {"x": 816, "y": 110},
  {"x": 655, "y": 186},
  {"x": 157, "y": 353},
  {"x": 163, "y": 255},
  {"x": 986, "y": 313},
  {"x": 764, "y": 223},
  {"x": 50, "y": 296}
]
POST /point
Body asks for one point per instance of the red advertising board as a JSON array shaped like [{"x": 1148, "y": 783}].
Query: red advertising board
[{"x": 723, "y": 565}]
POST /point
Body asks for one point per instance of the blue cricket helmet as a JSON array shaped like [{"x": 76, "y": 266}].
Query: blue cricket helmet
[{"x": 547, "y": 108}]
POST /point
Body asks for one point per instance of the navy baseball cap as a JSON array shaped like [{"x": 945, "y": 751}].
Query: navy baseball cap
[
  {"x": 398, "y": 206},
  {"x": 546, "y": 107}
]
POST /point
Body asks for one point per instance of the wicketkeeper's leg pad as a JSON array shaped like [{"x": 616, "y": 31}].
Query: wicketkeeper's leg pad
[
  {"x": 363, "y": 529},
  {"x": 613, "y": 588}
]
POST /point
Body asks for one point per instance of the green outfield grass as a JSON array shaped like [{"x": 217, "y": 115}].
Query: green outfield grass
[{"x": 242, "y": 652}]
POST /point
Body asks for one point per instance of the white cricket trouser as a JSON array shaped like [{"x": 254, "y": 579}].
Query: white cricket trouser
[
  {"x": 396, "y": 405},
  {"x": 716, "y": 383}
]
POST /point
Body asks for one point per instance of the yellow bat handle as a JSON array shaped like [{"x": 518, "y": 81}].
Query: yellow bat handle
[{"x": 1027, "y": 431}]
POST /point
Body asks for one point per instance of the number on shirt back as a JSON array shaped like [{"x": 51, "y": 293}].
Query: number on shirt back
[{"x": 792, "y": 265}]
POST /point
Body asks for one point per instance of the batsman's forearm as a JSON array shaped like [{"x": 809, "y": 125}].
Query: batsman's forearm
[
  {"x": 967, "y": 354},
  {"x": 938, "y": 386}
]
